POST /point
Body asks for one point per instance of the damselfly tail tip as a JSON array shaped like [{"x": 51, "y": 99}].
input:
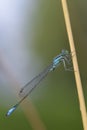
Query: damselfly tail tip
[
  {"x": 7, "y": 115},
  {"x": 10, "y": 111}
]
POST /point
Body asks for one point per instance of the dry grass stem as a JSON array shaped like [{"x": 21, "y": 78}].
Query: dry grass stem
[{"x": 75, "y": 65}]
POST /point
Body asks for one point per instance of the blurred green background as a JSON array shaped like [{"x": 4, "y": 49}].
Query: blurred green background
[{"x": 56, "y": 98}]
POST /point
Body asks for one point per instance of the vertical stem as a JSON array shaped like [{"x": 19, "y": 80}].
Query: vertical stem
[{"x": 75, "y": 65}]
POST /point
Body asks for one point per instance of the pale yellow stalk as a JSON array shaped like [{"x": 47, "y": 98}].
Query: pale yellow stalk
[{"x": 75, "y": 65}]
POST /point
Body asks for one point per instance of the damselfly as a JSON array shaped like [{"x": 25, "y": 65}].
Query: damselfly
[{"x": 64, "y": 57}]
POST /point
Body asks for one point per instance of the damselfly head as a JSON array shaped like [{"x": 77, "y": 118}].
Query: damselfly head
[
  {"x": 66, "y": 55},
  {"x": 65, "y": 52}
]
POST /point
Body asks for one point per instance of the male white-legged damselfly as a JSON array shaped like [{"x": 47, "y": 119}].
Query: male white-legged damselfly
[{"x": 64, "y": 57}]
